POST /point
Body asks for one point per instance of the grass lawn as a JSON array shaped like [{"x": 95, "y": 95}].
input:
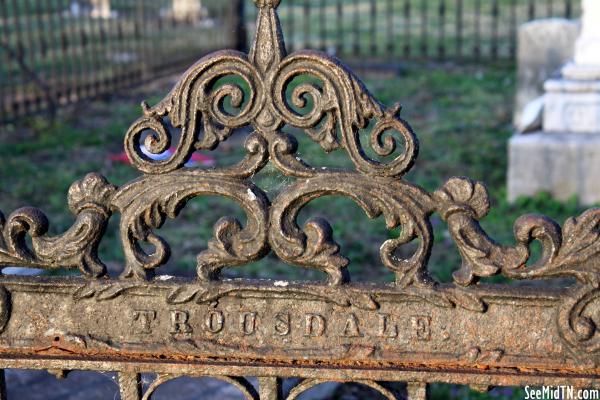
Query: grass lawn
[{"x": 461, "y": 115}]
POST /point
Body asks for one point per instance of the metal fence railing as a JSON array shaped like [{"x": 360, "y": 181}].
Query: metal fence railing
[
  {"x": 54, "y": 52},
  {"x": 476, "y": 30}
]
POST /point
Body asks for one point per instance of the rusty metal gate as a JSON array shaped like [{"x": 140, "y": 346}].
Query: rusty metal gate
[{"x": 413, "y": 330}]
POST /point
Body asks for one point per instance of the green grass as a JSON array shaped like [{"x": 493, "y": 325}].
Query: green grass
[{"x": 460, "y": 114}]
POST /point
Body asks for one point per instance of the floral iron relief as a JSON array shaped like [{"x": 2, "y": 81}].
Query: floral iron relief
[{"x": 314, "y": 93}]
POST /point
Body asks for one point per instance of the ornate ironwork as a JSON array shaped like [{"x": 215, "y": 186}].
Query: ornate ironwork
[{"x": 415, "y": 329}]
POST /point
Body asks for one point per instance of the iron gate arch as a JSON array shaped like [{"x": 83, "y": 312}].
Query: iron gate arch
[{"x": 414, "y": 330}]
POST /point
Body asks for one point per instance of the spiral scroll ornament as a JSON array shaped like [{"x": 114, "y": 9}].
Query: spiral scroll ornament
[
  {"x": 269, "y": 91},
  {"x": 77, "y": 248},
  {"x": 341, "y": 107}
]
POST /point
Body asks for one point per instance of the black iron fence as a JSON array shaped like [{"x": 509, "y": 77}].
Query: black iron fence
[
  {"x": 391, "y": 30},
  {"x": 54, "y": 52}
]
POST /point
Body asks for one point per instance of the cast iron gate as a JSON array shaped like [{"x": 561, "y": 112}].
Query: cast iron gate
[{"x": 413, "y": 330}]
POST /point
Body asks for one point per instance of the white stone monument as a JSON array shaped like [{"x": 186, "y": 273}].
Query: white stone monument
[
  {"x": 187, "y": 10},
  {"x": 544, "y": 46},
  {"x": 100, "y": 9},
  {"x": 564, "y": 158}
]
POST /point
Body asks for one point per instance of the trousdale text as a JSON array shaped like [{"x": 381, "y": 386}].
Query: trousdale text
[{"x": 246, "y": 323}]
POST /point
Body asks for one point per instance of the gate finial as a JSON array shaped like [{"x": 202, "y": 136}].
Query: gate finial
[
  {"x": 268, "y": 48},
  {"x": 267, "y": 3}
]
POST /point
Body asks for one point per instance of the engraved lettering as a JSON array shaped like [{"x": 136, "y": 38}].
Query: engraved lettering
[
  {"x": 179, "y": 322},
  {"x": 282, "y": 324},
  {"x": 421, "y": 327},
  {"x": 385, "y": 329},
  {"x": 351, "y": 328},
  {"x": 214, "y": 321},
  {"x": 144, "y": 320},
  {"x": 315, "y": 325},
  {"x": 248, "y": 323}
]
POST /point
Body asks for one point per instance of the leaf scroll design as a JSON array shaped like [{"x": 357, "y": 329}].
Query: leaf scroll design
[
  {"x": 401, "y": 203},
  {"x": 462, "y": 203},
  {"x": 575, "y": 319},
  {"x": 334, "y": 109},
  {"x": 196, "y": 103},
  {"x": 341, "y": 102},
  {"x": 147, "y": 202},
  {"x": 89, "y": 199},
  {"x": 568, "y": 252}
]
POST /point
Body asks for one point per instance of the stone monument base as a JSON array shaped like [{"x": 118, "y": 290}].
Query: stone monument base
[
  {"x": 544, "y": 46},
  {"x": 572, "y": 106},
  {"x": 562, "y": 164},
  {"x": 576, "y": 72}
]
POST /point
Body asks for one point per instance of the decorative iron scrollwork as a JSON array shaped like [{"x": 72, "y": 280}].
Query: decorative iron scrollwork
[
  {"x": 144, "y": 205},
  {"x": 334, "y": 109},
  {"x": 400, "y": 203},
  {"x": 89, "y": 199}
]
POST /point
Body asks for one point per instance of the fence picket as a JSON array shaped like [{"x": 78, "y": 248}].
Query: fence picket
[
  {"x": 531, "y": 10},
  {"x": 477, "y": 46},
  {"x": 512, "y": 50},
  {"x": 494, "y": 28},
  {"x": 424, "y": 30},
  {"x": 322, "y": 24},
  {"x": 6, "y": 89},
  {"x": 291, "y": 24},
  {"x": 407, "y": 30},
  {"x": 568, "y": 9},
  {"x": 390, "y": 26},
  {"x": 340, "y": 26},
  {"x": 459, "y": 28},
  {"x": 442, "y": 30},
  {"x": 307, "y": 42},
  {"x": 373, "y": 27},
  {"x": 356, "y": 28}
]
